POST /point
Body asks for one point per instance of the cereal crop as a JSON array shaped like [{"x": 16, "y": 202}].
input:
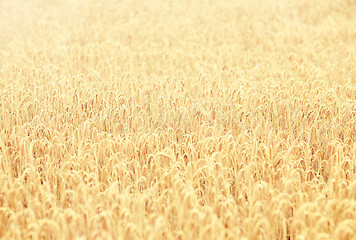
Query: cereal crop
[{"x": 162, "y": 119}]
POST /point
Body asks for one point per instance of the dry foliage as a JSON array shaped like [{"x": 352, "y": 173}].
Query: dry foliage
[{"x": 178, "y": 119}]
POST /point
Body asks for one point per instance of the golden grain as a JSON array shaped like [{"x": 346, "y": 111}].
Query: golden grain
[{"x": 178, "y": 119}]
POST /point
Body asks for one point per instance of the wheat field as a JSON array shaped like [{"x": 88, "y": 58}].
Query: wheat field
[{"x": 162, "y": 119}]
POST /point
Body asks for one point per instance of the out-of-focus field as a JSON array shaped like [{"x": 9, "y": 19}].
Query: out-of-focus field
[{"x": 178, "y": 119}]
